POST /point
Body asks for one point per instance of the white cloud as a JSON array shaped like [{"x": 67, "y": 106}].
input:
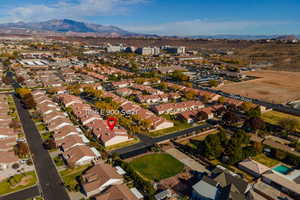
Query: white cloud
[
  {"x": 64, "y": 9},
  {"x": 198, "y": 27}
]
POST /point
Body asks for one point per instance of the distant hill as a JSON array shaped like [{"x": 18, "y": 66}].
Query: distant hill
[
  {"x": 288, "y": 37},
  {"x": 64, "y": 26},
  {"x": 243, "y": 37}
]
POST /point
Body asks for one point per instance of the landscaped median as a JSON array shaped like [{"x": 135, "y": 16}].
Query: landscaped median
[{"x": 18, "y": 182}]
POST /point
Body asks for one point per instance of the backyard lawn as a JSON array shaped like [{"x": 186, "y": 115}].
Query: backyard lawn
[
  {"x": 274, "y": 117},
  {"x": 17, "y": 182},
  {"x": 157, "y": 166},
  {"x": 263, "y": 159}
]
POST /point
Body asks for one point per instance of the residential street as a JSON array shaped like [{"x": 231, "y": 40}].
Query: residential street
[
  {"x": 49, "y": 180},
  {"x": 23, "y": 194}
]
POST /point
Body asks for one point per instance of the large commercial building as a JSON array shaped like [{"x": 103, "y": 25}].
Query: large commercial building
[{"x": 148, "y": 51}]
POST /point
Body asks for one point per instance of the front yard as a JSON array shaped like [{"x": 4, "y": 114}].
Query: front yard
[
  {"x": 157, "y": 166},
  {"x": 58, "y": 161},
  {"x": 70, "y": 176},
  {"x": 18, "y": 182}
]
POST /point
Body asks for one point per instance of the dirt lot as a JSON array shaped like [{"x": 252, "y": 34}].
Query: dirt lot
[{"x": 272, "y": 86}]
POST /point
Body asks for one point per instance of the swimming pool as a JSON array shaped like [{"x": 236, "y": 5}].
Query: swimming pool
[{"x": 282, "y": 169}]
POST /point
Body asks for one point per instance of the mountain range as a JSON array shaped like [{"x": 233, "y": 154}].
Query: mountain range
[
  {"x": 64, "y": 26},
  {"x": 68, "y": 27}
]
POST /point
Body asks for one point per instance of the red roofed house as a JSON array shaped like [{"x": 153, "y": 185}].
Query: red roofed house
[
  {"x": 81, "y": 155},
  {"x": 106, "y": 136},
  {"x": 7, "y": 159},
  {"x": 99, "y": 178},
  {"x": 173, "y": 108}
]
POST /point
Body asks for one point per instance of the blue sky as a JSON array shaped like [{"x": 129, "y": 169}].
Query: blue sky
[{"x": 166, "y": 17}]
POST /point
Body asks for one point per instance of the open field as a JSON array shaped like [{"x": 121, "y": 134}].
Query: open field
[
  {"x": 271, "y": 86},
  {"x": 274, "y": 117},
  {"x": 157, "y": 166}
]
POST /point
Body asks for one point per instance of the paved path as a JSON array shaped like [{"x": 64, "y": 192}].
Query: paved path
[
  {"x": 49, "y": 180},
  {"x": 191, "y": 163},
  {"x": 23, "y": 194}
]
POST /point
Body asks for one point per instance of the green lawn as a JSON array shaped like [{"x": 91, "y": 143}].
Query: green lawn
[
  {"x": 274, "y": 117},
  {"x": 123, "y": 144},
  {"x": 263, "y": 159},
  {"x": 6, "y": 187},
  {"x": 46, "y": 136},
  {"x": 41, "y": 127},
  {"x": 58, "y": 161},
  {"x": 157, "y": 166},
  {"x": 69, "y": 176}
]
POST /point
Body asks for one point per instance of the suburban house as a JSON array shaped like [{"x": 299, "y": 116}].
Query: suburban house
[
  {"x": 206, "y": 189},
  {"x": 283, "y": 183},
  {"x": 80, "y": 155},
  {"x": 157, "y": 123},
  {"x": 6, "y": 133},
  {"x": 122, "y": 84},
  {"x": 152, "y": 99},
  {"x": 52, "y": 116},
  {"x": 126, "y": 92},
  {"x": 7, "y": 144},
  {"x": 99, "y": 178},
  {"x": 222, "y": 184},
  {"x": 71, "y": 141},
  {"x": 173, "y": 108},
  {"x": 203, "y": 114},
  {"x": 7, "y": 159},
  {"x": 65, "y": 131},
  {"x": 58, "y": 123},
  {"x": 147, "y": 89},
  {"x": 106, "y": 136},
  {"x": 252, "y": 167},
  {"x": 69, "y": 100},
  {"x": 117, "y": 192}
]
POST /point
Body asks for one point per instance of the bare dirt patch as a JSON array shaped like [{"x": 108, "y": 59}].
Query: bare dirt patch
[{"x": 271, "y": 86}]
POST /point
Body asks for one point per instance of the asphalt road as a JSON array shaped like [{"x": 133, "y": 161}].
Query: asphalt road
[
  {"x": 23, "y": 194},
  {"x": 49, "y": 180}
]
